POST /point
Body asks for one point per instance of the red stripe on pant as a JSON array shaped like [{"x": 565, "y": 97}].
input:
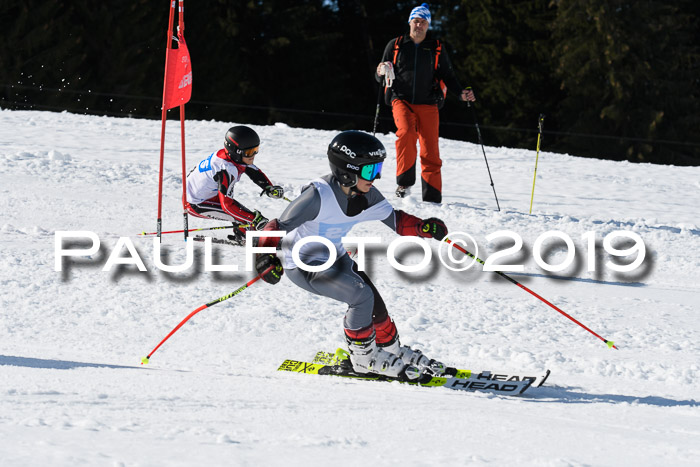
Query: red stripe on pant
[
  {"x": 213, "y": 209},
  {"x": 386, "y": 332},
  {"x": 363, "y": 334}
]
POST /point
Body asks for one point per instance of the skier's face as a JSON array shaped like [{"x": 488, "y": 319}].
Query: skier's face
[
  {"x": 249, "y": 158},
  {"x": 419, "y": 28},
  {"x": 363, "y": 185},
  {"x": 248, "y": 155}
]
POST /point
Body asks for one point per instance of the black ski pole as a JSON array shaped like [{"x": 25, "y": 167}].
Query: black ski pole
[
  {"x": 478, "y": 133},
  {"x": 376, "y": 112}
]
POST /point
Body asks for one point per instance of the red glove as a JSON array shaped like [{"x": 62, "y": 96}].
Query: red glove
[{"x": 433, "y": 227}]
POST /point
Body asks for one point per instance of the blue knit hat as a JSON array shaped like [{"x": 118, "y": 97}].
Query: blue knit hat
[{"x": 420, "y": 12}]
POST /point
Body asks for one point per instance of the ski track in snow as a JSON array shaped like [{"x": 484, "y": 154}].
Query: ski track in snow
[{"x": 72, "y": 391}]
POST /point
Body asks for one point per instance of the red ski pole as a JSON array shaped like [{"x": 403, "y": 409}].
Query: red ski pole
[
  {"x": 610, "y": 344},
  {"x": 147, "y": 358}
]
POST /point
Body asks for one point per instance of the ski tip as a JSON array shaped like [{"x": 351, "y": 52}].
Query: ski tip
[{"x": 144, "y": 361}]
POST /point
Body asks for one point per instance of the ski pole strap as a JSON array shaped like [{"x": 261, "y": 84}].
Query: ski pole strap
[
  {"x": 438, "y": 49},
  {"x": 396, "y": 48}
]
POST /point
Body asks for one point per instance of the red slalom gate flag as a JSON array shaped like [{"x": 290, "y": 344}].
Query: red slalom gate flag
[{"x": 178, "y": 82}]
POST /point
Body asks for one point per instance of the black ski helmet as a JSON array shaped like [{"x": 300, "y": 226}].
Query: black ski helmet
[
  {"x": 352, "y": 151},
  {"x": 241, "y": 140}
]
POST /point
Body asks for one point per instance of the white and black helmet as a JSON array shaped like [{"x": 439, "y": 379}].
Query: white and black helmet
[{"x": 354, "y": 154}]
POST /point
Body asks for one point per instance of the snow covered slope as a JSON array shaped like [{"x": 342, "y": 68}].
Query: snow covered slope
[{"x": 72, "y": 391}]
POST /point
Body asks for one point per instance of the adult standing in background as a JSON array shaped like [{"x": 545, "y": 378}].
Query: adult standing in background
[{"x": 418, "y": 72}]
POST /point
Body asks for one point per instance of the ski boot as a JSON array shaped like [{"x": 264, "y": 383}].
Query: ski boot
[
  {"x": 416, "y": 358},
  {"x": 402, "y": 191},
  {"x": 238, "y": 237},
  {"x": 367, "y": 357}
]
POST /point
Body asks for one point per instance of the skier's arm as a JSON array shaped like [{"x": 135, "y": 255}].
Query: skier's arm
[
  {"x": 410, "y": 225},
  {"x": 257, "y": 176},
  {"x": 399, "y": 221},
  {"x": 303, "y": 209},
  {"x": 260, "y": 179}
]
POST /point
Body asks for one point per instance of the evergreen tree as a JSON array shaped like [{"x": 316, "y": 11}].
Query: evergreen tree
[
  {"x": 628, "y": 70},
  {"x": 277, "y": 56},
  {"x": 68, "y": 54},
  {"x": 503, "y": 49}
]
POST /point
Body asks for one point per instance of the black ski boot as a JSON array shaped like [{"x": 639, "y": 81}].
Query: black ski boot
[{"x": 238, "y": 237}]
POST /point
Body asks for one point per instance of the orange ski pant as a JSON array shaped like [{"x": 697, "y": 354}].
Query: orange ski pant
[{"x": 418, "y": 123}]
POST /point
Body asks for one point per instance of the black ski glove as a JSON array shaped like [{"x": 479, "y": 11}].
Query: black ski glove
[
  {"x": 273, "y": 191},
  {"x": 259, "y": 222},
  {"x": 264, "y": 261},
  {"x": 433, "y": 227}
]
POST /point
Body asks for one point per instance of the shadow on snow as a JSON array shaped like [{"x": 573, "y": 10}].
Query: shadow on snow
[
  {"x": 569, "y": 395},
  {"x": 55, "y": 364}
]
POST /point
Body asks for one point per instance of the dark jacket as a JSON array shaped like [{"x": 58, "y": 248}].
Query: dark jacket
[{"x": 416, "y": 76}]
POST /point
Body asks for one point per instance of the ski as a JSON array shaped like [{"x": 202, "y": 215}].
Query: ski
[
  {"x": 485, "y": 381},
  {"x": 337, "y": 357},
  {"x": 201, "y": 238}
]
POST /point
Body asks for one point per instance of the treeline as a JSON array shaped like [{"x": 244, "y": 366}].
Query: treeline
[{"x": 616, "y": 79}]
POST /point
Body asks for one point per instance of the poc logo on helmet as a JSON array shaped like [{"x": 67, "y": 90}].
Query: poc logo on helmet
[
  {"x": 353, "y": 167},
  {"x": 347, "y": 151}
]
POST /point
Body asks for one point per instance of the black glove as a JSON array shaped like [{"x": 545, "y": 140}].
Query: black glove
[
  {"x": 259, "y": 222},
  {"x": 273, "y": 191},
  {"x": 264, "y": 261},
  {"x": 433, "y": 227}
]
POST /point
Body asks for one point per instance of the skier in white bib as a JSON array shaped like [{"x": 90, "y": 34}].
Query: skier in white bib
[
  {"x": 329, "y": 207},
  {"x": 210, "y": 184}
]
